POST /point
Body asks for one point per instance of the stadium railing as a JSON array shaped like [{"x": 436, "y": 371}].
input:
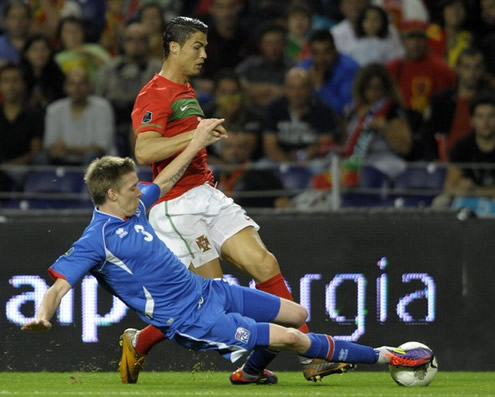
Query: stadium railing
[{"x": 308, "y": 186}]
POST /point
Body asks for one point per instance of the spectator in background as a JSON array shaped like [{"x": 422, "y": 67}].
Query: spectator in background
[
  {"x": 448, "y": 118},
  {"x": 151, "y": 17},
  {"x": 477, "y": 149},
  {"x": 299, "y": 17},
  {"x": 418, "y": 73},
  {"x": 262, "y": 76},
  {"x": 344, "y": 32},
  {"x": 17, "y": 16},
  {"x": 75, "y": 52},
  {"x": 298, "y": 125},
  {"x": 485, "y": 20},
  {"x": 377, "y": 129},
  {"x": 373, "y": 40},
  {"x": 228, "y": 43},
  {"x": 44, "y": 78},
  {"x": 46, "y": 15},
  {"x": 331, "y": 72},
  {"x": 118, "y": 13},
  {"x": 80, "y": 127},
  {"x": 21, "y": 126},
  {"x": 236, "y": 176},
  {"x": 120, "y": 80},
  {"x": 230, "y": 103},
  {"x": 484, "y": 29},
  {"x": 404, "y": 10},
  {"x": 449, "y": 37}
]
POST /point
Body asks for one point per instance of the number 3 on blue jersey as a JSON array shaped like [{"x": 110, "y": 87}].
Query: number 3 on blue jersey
[{"x": 140, "y": 229}]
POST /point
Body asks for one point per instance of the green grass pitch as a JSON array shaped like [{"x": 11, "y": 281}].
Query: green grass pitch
[{"x": 217, "y": 384}]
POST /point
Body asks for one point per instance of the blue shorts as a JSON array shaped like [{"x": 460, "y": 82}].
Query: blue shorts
[{"x": 232, "y": 320}]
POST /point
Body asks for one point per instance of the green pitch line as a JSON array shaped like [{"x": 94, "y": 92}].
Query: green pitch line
[{"x": 448, "y": 384}]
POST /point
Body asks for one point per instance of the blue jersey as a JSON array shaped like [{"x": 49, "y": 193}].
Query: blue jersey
[{"x": 131, "y": 262}]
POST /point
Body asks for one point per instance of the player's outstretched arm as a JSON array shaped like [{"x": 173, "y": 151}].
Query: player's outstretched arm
[
  {"x": 152, "y": 147},
  {"x": 49, "y": 305},
  {"x": 207, "y": 132}
]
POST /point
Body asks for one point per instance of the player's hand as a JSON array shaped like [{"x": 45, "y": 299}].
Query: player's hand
[
  {"x": 208, "y": 131},
  {"x": 37, "y": 325}
]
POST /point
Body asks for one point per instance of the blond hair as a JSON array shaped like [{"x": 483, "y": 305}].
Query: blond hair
[{"x": 106, "y": 173}]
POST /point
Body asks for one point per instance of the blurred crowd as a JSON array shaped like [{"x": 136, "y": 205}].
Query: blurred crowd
[{"x": 384, "y": 83}]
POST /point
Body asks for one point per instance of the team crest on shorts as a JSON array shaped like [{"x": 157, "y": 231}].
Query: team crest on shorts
[
  {"x": 147, "y": 117},
  {"x": 203, "y": 243},
  {"x": 242, "y": 335}
]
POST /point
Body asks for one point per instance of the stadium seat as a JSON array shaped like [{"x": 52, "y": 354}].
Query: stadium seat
[
  {"x": 57, "y": 181},
  {"x": 421, "y": 177},
  {"x": 294, "y": 177},
  {"x": 428, "y": 180},
  {"x": 371, "y": 177}
]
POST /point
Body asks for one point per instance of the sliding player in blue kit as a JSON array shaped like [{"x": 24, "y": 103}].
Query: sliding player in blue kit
[{"x": 120, "y": 248}]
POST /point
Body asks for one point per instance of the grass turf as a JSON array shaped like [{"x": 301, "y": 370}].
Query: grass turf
[{"x": 217, "y": 384}]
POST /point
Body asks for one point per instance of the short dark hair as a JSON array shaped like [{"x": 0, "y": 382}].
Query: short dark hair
[
  {"x": 16, "y": 3},
  {"x": 71, "y": 19},
  {"x": 470, "y": 52},
  {"x": 271, "y": 27},
  {"x": 322, "y": 35},
  {"x": 300, "y": 8},
  {"x": 12, "y": 66},
  {"x": 485, "y": 99},
  {"x": 226, "y": 74},
  {"x": 179, "y": 30},
  {"x": 383, "y": 32}
]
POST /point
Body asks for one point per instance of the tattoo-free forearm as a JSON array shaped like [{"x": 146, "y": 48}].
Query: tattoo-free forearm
[
  {"x": 52, "y": 299},
  {"x": 152, "y": 147}
]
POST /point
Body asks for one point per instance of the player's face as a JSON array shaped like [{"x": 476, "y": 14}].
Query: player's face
[
  {"x": 128, "y": 194},
  {"x": 483, "y": 121},
  {"x": 192, "y": 54}
]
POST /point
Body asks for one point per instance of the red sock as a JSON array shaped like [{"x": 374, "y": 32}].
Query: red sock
[
  {"x": 276, "y": 286},
  {"x": 148, "y": 337}
]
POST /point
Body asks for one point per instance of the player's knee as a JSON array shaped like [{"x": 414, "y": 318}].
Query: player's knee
[
  {"x": 268, "y": 264},
  {"x": 301, "y": 315},
  {"x": 292, "y": 337}
]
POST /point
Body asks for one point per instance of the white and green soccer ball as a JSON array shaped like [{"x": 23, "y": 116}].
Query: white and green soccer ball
[{"x": 413, "y": 377}]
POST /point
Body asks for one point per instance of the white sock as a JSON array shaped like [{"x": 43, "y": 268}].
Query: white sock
[
  {"x": 135, "y": 339},
  {"x": 382, "y": 351},
  {"x": 304, "y": 360}
]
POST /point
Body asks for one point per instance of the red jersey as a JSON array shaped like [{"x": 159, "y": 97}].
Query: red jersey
[
  {"x": 170, "y": 109},
  {"x": 418, "y": 80}
]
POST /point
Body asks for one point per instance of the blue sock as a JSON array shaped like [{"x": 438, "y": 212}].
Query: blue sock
[
  {"x": 258, "y": 360},
  {"x": 325, "y": 347}
]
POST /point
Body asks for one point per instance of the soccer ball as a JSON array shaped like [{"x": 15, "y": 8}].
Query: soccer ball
[{"x": 421, "y": 376}]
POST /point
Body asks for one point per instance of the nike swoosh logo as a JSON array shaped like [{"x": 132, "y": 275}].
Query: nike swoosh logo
[{"x": 182, "y": 108}]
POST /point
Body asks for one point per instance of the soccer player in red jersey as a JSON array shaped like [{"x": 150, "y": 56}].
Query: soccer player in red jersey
[{"x": 195, "y": 220}]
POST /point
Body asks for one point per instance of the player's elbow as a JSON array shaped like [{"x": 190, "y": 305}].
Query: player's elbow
[{"x": 140, "y": 153}]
